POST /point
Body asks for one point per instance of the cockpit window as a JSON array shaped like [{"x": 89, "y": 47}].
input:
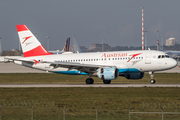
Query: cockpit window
[
  {"x": 163, "y": 56},
  {"x": 166, "y": 56}
]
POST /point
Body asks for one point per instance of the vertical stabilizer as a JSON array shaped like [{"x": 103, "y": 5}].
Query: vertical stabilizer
[
  {"x": 67, "y": 45},
  {"x": 29, "y": 43}
]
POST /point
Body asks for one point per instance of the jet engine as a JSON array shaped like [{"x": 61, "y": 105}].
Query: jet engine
[
  {"x": 134, "y": 75},
  {"x": 108, "y": 73}
]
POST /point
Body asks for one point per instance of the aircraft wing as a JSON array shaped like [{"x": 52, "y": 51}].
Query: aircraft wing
[{"x": 79, "y": 66}]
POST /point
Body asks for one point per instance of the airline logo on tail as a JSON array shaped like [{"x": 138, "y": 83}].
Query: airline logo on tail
[
  {"x": 67, "y": 44},
  {"x": 26, "y": 38}
]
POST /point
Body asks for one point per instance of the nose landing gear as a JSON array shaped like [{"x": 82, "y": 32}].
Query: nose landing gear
[
  {"x": 152, "y": 81},
  {"x": 151, "y": 75}
]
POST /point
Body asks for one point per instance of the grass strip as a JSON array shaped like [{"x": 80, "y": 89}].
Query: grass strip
[
  {"x": 81, "y": 103},
  {"x": 37, "y": 78}
]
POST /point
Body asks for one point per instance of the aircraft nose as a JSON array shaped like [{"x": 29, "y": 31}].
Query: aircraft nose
[{"x": 173, "y": 63}]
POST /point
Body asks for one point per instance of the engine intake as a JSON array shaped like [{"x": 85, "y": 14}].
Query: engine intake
[{"x": 108, "y": 73}]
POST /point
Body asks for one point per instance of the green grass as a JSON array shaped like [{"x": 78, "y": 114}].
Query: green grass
[
  {"x": 35, "y": 78},
  {"x": 81, "y": 103}
]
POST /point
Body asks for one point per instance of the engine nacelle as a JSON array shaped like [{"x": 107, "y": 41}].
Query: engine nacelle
[
  {"x": 134, "y": 75},
  {"x": 108, "y": 73}
]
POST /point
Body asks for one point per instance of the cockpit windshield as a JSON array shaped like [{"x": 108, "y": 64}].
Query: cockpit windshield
[{"x": 163, "y": 56}]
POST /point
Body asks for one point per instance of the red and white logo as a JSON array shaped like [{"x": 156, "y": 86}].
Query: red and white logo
[
  {"x": 133, "y": 55},
  {"x": 37, "y": 61},
  {"x": 26, "y": 38}
]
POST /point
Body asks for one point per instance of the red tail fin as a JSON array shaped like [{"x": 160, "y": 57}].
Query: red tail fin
[{"x": 30, "y": 45}]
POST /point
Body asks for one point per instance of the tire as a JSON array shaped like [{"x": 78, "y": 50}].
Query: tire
[
  {"x": 89, "y": 81},
  {"x": 106, "y": 81},
  {"x": 152, "y": 81}
]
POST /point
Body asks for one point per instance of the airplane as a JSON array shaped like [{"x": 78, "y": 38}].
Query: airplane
[
  {"x": 105, "y": 65},
  {"x": 65, "y": 49},
  {"x": 76, "y": 46}
]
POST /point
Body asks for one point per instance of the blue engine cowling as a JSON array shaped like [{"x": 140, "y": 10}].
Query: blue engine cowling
[
  {"x": 134, "y": 75},
  {"x": 108, "y": 73}
]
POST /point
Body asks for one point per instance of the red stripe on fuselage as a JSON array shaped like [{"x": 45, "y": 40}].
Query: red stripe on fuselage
[
  {"x": 134, "y": 55},
  {"x": 21, "y": 28},
  {"x": 38, "y": 51}
]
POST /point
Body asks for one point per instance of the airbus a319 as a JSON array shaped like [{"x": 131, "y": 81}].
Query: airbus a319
[{"x": 105, "y": 65}]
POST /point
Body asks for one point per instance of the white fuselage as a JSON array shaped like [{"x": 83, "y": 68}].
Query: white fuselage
[{"x": 125, "y": 61}]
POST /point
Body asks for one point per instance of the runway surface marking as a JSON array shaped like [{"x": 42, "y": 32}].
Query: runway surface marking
[{"x": 84, "y": 85}]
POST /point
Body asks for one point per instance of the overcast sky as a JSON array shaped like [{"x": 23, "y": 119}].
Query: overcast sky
[{"x": 119, "y": 21}]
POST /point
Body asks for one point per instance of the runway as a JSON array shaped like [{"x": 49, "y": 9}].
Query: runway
[
  {"x": 84, "y": 85},
  {"x": 13, "y": 68}
]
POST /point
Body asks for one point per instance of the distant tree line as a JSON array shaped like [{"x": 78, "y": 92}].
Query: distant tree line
[
  {"x": 122, "y": 48},
  {"x": 11, "y": 53}
]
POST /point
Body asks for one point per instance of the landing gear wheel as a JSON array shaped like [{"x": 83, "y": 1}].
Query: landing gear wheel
[
  {"x": 152, "y": 81},
  {"x": 89, "y": 81},
  {"x": 151, "y": 75},
  {"x": 106, "y": 81}
]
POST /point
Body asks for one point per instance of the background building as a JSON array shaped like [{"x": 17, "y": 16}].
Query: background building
[
  {"x": 171, "y": 41},
  {"x": 98, "y": 46}
]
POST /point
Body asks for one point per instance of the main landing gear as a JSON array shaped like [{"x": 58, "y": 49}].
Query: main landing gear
[
  {"x": 89, "y": 80},
  {"x": 106, "y": 81},
  {"x": 151, "y": 75}
]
